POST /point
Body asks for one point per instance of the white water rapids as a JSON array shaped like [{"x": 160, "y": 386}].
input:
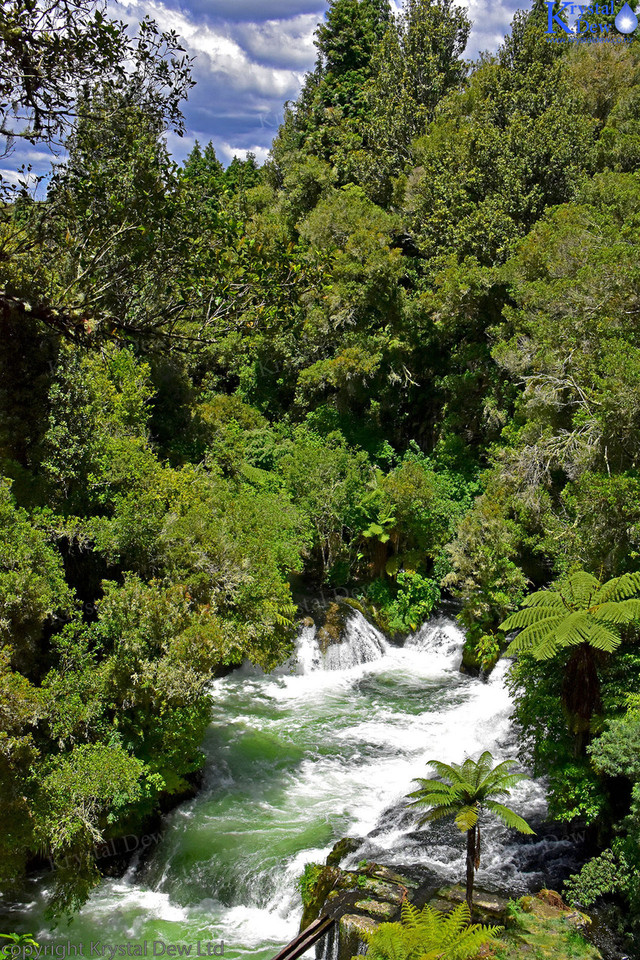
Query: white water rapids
[{"x": 324, "y": 748}]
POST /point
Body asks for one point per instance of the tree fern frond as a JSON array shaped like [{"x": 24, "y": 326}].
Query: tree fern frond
[
  {"x": 531, "y": 636},
  {"x": 508, "y": 817},
  {"x": 466, "y": 817},
  {"x": 618, "y": 588},
  {"x": 482, "y": 768},
  {"x": 617, "y": 611},
  {"x": 436, "y": 813},
  {"x": 528, "y": 616},
  {"x": 434, "y": 800},
  {"x": 575, "y": 622},
  {"x": 434, "y": 786},
  {"x": 579, "y": 588},
  {"x": 447, "y": 771},
  {"x": 503, "y": 783},
  {"x": 545, "y": 598},
  {"x": 546, "y": 649},
  {"x": 501, "y": 769},
  {"x": 601, "y": 637}
]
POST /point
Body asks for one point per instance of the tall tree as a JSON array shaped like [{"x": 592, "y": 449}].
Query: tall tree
[
  {"x": 346, "y": 43},
  {"x": 326, "y": 120},
  {"x": 418, "y": 62},
  {"x": 464, "y": 791}
]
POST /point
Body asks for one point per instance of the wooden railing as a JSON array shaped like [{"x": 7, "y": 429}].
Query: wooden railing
[{"x": 306, "y": 939}]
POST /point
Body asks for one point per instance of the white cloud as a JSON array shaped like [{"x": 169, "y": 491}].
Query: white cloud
[
  {"x": 287, "y": 42},
  {"x": 226, "y": 57},
  {"x": 226, "y": 152}
]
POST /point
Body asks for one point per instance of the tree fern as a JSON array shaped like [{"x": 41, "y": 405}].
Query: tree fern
[
  {"x": 579, "y": 611},
  {"x": 429, "y": 935},
  {"x": 463, "y": 792},
  {"x": 582, "y": 614},
  {"x": 581, "y": 587}
]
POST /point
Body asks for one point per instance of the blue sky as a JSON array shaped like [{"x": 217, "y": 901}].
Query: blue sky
[{"x": 251, "y": 56}]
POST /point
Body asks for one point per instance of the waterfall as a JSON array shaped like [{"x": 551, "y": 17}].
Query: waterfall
[
  {"x": 360, "y": 643},
  {"x": 442, "y": 639}
]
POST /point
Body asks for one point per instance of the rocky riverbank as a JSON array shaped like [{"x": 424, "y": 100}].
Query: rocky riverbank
[{"x": 534, "y": 926}]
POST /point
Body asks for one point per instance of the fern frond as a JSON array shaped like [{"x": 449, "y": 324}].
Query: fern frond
[
  {"x": 528, "y": 616},
  {"x": 503, "y": 783},
  {"x": 436, "y": 813},
  {"x": 447, "y": 771},
  {"x": 533, "y": 635},
  {"x": 387, "y": 942},
  {"x": 434, "y": 786},
  {"x": 546, "y": 598},
  {"x": 576, "y": 623},
  {"x": 508, "y": 817},
  {"x": 410, "y": 914},
  {"x": 470, "y": 943},
  {"x": 618, "y": 588},
  {"x": 580, "y": 587},
  {"x": 546, "y": 650},
  {"x": 429, "y": 935},
  {"x": 617, "y": 611},
  {"x": 434, "y": 800},
  {"x": 601, "y": 637},
  {"x": 466, "y": 817}
]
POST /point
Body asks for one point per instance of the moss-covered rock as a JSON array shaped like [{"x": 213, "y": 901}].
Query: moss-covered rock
[
  {"x": 549, "y": 905},
  {"x": 331, "y": 625},
  {"x": 351, "y": 933},
  {"x": 366, "y": 896},
  {"x": 341, "y": 850},
  {"x": 384, "y": 873},
  {"x": 315, "y": 885},
  {"x": 544, "y": 928},
  {"x": 386, "y": 892},
  {"x": 377, "y": 910},
  {"x": 487, "y": 907},
  {"x": 470, "y": 661}
]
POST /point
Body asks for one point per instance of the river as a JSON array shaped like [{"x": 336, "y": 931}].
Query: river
[{"x": 323, "y": 748}]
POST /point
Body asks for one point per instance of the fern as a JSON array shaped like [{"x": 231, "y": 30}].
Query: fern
[
  {"x": 580, "y": 587},
  {"x": 545, "y": 598},
  {"x": 508, "y": 817},
  {"x": 619, "y": 588},
  {"x": 582, "y": 611},
  {"x": 463, "y": 792},
  {"x": 429, "y": 935},
  {"x": 615, "y": 612},
  {"x": 466, "y": 817},
  {"x": 528, "y": 616},
  {"x": 533, "y": 635},
  {"x": 602, "y": 637},
  {"x": 582, "y": 614}
]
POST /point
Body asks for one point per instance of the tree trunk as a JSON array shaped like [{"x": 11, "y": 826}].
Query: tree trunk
[
  {"x": 471, "y": 865},
  {"x": 581, "y": 693}
]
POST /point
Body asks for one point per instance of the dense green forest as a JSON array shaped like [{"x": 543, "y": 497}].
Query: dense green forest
[{"x": 400, "y": 360}]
